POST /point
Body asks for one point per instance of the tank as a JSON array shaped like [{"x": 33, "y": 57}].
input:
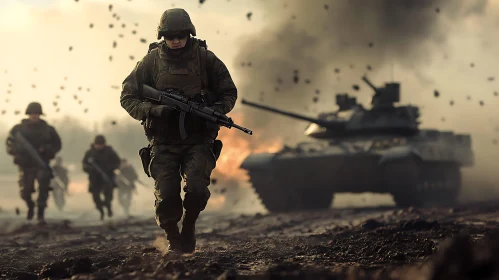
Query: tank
[{"x": 380, "y": 150}]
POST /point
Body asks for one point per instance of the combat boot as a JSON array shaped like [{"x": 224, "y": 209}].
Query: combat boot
[
  {"x": 173, "y": 237},
  {"x": 41, "y": 215},
  {"x": 109, "y": 212},
  {"x": 101, "y": 211},
  {"x": 31, "y": 212},
  {"x": 188, "y": 231}
]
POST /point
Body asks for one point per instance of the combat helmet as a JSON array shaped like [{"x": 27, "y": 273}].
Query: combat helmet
[
  {"x": 175, "y": 20},
  {"x": 100, "y": 140},
  {"x": 34, "y": 108}
]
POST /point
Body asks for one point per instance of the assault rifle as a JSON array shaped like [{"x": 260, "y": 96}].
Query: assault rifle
[
  {"x": 101, "y": 172},
  {"x": 32, "y": 152},
  {"x": 173, "y": 98}
]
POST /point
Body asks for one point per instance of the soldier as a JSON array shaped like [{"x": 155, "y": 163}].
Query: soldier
[
  {"x": 45, "y": 141},
  {"x": 99, "y": 162},
  {"x": 59, "y": 183},
  {"x": 126, "y": 184},
  {"x": 179, "y": 62}
]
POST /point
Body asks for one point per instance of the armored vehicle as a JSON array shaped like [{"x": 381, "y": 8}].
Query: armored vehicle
[{"x": 381, "y": 150}]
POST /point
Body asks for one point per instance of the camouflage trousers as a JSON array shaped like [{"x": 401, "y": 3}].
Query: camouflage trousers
[
  {"x": 168, "y": 164},
  {"x": 27, "y": 177},
  {"x": 125, "y": 198},
  {"x": 99, "y": 189}
]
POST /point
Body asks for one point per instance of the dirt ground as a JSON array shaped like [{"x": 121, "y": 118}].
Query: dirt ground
[{"x": 365, "y": 243}]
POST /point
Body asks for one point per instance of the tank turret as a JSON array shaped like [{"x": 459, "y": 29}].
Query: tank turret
[{"x": 384, "y": 97}]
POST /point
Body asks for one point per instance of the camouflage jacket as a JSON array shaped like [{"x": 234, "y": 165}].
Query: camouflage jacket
[
  {"x": 40, "y": 135},
  {"x": 149, "y": 71}
]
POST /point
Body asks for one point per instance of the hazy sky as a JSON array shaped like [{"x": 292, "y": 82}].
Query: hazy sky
[{"x": 38, "y": 34}]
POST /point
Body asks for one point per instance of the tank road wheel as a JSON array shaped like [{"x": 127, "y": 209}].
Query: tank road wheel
[{"x": 279, "y": 197}]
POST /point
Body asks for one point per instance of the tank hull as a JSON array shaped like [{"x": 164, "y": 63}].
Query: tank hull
[{"x": 310, "y": 182}]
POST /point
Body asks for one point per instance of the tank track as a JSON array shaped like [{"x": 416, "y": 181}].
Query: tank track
[
  {"x": 437, "y": 184},
  {"x": 279, "y": 196}
]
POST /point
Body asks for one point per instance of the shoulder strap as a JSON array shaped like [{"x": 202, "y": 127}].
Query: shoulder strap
[{"x": 203, "y": 63}]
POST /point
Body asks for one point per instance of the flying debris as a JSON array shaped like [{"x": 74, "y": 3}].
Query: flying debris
[
  {"x": 110, "y": 7},
  {"x": 495, "y": 93},
  {"x": 33, "y": 86},
  {"x": 111, "y": 25},
  {"x": 134, "y": 32},
  {"x": 472, "y": 65},
  {"x": 451, "y": 102},
  {"x": 436, "y": 93},
  {"x": 326, "y": 7},
  {"x": 18, "y": 212},
  {"x": 494, "y": 141},
  {"x": 307, "y": 81},
  {"x": 443, "y": 119},
  {"x": 88, "y": 89},
  {"x": 437, "y": 10},
  {"x": 70, "y": 48},
  {"x": 248, "y": 15},
  {"x": 315, "y": 99},
  {"x": 80, "y": 101},
  {"x": 55, "y": 103},
  {"x": 356, "y": 87},
  {"x": 317, "y": 91},
  {"x": 110, "y": 58},
  {"x": 91, "y": 25},
  {"x": 121, "y": 36},
  {"x": 75, "y": 97},
  {"x": 481, "y": 103},
  {"x": 369, "y": 68},
  {"x": 142, "y": 40},
  {"x": 62, "y": 87},
  {"x": 276, "y": 89},
  {"x": 16, "y": 112},
  {"x": 136, "y": 24},
  {"x": 79, "y": 88},
  {"x": 371, "y": 44},
  {"x": 213, "y": 181},
  {"x": 85, "y": 111},
  {"x": 490, "y": 79},
  {"x": 57, "y": 109},
  {"x": 115, "y": 44},
  {"x": 337, "y": 70},
  {"x": 123, "y": 25},
  {"x": 113, "y": 122},
  {"x": 3, "y": 112},
  {"x": 132, "y": 57}
]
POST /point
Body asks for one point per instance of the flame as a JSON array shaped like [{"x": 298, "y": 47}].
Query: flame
[
  {"x": 78, "y": 186},
  {"x": 237, "y": 146}
]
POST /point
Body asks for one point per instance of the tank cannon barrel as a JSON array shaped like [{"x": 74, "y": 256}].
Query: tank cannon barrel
[
  {"x": 366, "y": 80},
  {"x": 327, "y": 124}
]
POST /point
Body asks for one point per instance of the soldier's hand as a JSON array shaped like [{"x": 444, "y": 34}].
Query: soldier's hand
[
  {"x": 217, "y": 108},
  {"x": 160, "y": 110}
]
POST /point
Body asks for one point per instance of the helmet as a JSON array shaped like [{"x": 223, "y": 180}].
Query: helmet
[
  {"x": 175, "y": 20},
  {"x": 34, "y": 108},
  {"x": 100, "y": 140}
]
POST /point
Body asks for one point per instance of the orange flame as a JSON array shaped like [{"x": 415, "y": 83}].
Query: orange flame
[{"x": 237, "y": 146}]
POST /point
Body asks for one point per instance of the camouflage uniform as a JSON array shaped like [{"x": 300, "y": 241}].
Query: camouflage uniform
[
  {"x": 46, "y": 141},
  {"x": 202, "y": 77},
  {"x": 107, "y": 159},
  {"x": 126, "y": 186}
]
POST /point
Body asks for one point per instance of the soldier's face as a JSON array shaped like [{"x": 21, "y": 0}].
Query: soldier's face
[
  {"x": 176, "y": 40},
  {"x": 99, "y": 146},
  {"x": 34, "y": 117}
]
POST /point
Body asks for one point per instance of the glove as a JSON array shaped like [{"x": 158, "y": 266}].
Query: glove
[
  {"x": 160, "y": 110},
  {"x": 217, "y": 108}
]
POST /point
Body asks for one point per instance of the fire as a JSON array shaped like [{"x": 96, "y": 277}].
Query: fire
[{"x": 237, "y": 146}]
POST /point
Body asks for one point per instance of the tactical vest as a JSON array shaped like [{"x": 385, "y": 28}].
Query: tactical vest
[
  {"x": 37, "y": 134},
  {"x": 189, "y": 74}
]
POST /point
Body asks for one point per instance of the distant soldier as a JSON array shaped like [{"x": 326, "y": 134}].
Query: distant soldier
[
  {"x": 126, "y": 177},
  {"x": 99, "y": 162},
  {"x": 59, "y": 183},
  {"x": 41, "y": 145}
]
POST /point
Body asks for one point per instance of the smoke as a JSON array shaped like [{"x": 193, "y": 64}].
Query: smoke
[{"x": 310, "y": 40}]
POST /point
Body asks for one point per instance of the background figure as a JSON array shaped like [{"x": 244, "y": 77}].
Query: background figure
[
  {"x": 59, "y": 183},
  {"x": 125, "y": 179},
  {"x": 45, "y": 143},
  {"x": 99, "y": 162}
]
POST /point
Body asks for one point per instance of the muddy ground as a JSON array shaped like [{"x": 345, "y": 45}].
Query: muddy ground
[{"x": 365, "y": 243}]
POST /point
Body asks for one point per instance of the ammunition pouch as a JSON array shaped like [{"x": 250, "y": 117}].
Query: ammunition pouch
[
  {"x": 145, "y": 158},
  {"x": 217, "y": 148}
]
